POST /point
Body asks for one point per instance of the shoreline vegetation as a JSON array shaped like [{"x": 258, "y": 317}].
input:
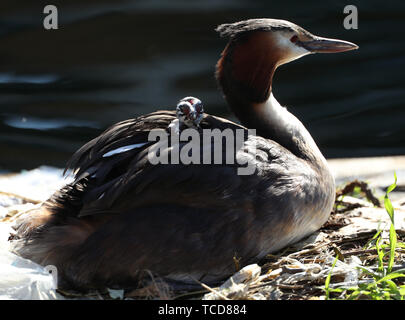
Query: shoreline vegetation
[{"x": 358, "y": 254}]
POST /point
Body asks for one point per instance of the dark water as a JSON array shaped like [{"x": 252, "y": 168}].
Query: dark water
[{"x": 112, "y": 60}]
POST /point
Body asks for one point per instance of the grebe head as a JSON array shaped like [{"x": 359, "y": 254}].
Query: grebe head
[
  {"x": 288, "y": 41},
  {"x": 190, "y": 111},
  {"x": 256, "y": 48}
]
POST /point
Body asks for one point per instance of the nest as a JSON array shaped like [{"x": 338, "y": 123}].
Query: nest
[{"x": 328, "y": 264}]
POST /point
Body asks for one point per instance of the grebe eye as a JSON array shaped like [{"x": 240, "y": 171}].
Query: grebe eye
[{"x": 294, "y": 39}]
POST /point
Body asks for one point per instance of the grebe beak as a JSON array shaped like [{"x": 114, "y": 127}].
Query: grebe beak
[{"x": 325, "y": 45}]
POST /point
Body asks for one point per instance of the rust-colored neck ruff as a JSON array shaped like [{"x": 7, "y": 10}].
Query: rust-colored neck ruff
[
  {"x": 245, "y": 73},
  {"x": 245, "y": 70}
]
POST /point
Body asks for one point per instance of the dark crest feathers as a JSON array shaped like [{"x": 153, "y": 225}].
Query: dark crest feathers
[{"x": 234, "y": 29}]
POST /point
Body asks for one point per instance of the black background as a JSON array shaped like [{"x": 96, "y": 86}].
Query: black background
[{"x": 112, "y": 60}]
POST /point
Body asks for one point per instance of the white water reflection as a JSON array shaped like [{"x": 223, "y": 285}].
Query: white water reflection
[
  {"x": 47, "y": 124},
  {"x": 27, "y": 78}
]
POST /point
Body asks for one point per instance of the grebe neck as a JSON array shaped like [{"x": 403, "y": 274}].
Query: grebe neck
[{"x": 245, "y": 73}]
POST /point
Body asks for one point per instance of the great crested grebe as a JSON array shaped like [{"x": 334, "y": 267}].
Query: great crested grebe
[{"x": 123, "y": 215}]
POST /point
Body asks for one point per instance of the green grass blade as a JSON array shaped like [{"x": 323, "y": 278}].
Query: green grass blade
[
  {"x": 387, "y": 202},
  {"x": 373, "y": 238},
  {"x": 391, "y": 276},
  {"x": 393, "y": 186},
  {"x": 380, "y": 256},
  {"x": 393, "y": 235},
  {"x": 393, "y": 244},
  {"x": 389, "y": 208},
  {"x": 327, "y": 281}
]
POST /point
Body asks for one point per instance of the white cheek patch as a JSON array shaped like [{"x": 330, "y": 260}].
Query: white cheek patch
[
  {"x": 123, "y": 149},
  {"x": 292, "y": 51}
]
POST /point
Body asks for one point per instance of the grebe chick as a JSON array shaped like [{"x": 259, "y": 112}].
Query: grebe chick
[
  {"x": 189, "y": 113},
  {"x": 123, "y": 214}
]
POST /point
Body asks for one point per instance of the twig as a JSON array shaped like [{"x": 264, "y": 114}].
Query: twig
[
  {"x": 396, "y": 268},
  {"x": 349, "y": 188},
  {"x": 347, "y": 206},
  {"x": 159, "y": 289},
  {"x": 20, "y": 197},
  {"x": 211, "y": 289},
  {"x": 359, "y": 252},
  {"x": 305, "y": 251},
  {"x": 290, "y": 286}
]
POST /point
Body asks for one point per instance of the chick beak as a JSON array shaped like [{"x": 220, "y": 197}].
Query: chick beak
[
  {"x": 325, "y": 45},
  {"x": 193, "y": 115}
]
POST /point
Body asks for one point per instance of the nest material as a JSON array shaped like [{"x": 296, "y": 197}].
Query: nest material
[{"x": 297, "y": 272}]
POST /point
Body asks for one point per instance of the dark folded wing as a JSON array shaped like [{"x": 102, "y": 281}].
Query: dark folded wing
[{"x": 126, "y": 180}]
